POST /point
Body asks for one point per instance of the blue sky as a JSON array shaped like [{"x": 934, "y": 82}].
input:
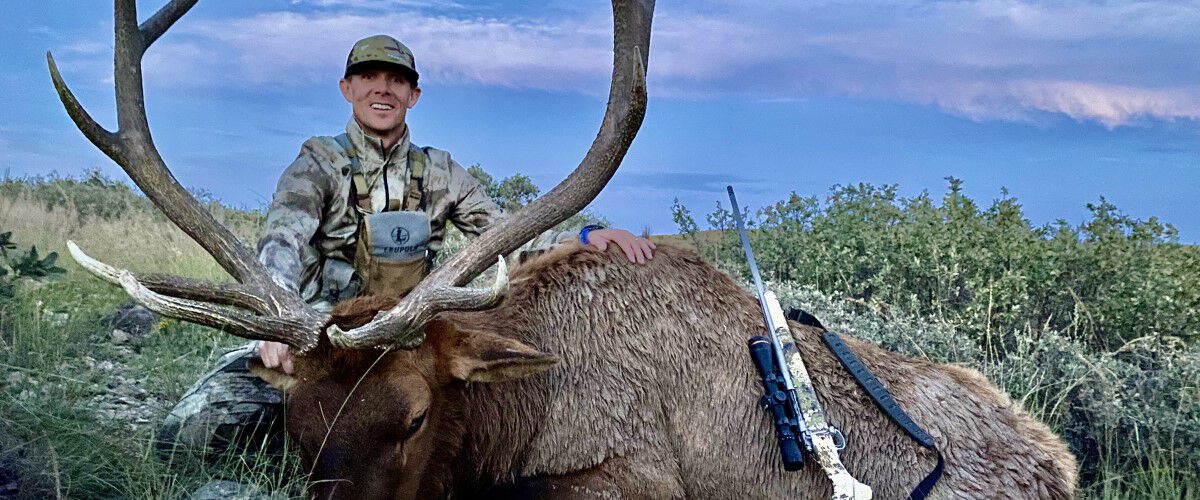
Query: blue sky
[{"x": 1062, "y": 102}]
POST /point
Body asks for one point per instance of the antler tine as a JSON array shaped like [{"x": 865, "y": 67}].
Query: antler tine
[
  {"x": 272, "y": 328},
  {"x": 162, "y": 20},
  {"x": 417, "y": 311},
  {"x": 622, "y": 119},
  {"x": 219, "y": 293},
  {"x": 132, "y": 147},
  {"x": 276, "y": 329},
  {"x": 100, "y": 136},
  {"x": 140, "y": 158}
]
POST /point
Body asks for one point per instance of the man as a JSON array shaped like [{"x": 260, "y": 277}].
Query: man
[{"x": 364, "y": 212}]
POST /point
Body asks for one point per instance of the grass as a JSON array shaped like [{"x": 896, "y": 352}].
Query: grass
[{"x": 66, "y": 447}]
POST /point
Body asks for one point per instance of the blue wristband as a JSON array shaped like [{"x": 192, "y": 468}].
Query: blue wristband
[{"x": 583, "y": 233}]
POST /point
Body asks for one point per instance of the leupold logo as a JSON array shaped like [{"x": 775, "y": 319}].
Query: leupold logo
[{"x": 400, "y": 235}]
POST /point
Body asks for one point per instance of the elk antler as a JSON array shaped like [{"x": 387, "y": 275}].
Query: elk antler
[
  {"x": 281, "y": 315},
  {"x": 402, "y": 325}
]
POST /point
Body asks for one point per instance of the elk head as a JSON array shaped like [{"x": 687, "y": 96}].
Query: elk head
[
  {"x": 372, "y": 424},
  {"x": 256, "y": 307}
]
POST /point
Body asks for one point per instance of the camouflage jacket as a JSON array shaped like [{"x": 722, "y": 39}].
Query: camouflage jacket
[{"x": 311, "y": 224}]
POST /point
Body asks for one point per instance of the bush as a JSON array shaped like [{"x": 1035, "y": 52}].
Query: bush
[
  {"x": 26, "y": 265},
  {"x": 93, "y": 196},
  {"x": 1107, "y": 281}
]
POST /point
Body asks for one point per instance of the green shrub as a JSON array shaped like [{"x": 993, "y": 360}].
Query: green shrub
[
  {"x": 27, "y": 265},
  {"x": 1106, "y": 281}
]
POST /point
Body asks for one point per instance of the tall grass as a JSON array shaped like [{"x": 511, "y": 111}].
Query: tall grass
[{"x": 113, "y": 224}]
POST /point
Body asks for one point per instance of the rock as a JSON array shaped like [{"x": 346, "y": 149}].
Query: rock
[
  {"x": 229, "y": 407},
  {"x": 229, "y": 490},
  {"x": 133, "y": 319},
  {"x": 56, "y": 319},
  {"x": 10, "y": 474},
  {"x": 119, "y": 336},
  {"x": 15, "y": 378}
]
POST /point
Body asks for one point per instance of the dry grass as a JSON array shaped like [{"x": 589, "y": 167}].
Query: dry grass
[{"x": 138, "y": 241}]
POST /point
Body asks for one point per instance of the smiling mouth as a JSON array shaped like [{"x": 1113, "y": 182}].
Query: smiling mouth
[{"x": 382, "y": 107}]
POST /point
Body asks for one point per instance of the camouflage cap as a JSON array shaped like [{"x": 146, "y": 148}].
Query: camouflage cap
[{"x": 381, "y": 50}]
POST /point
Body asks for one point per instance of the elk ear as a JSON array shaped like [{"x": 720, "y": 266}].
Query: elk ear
[
  {"x": 279, "y": 380},
  {"x": 486, "y": 357}
]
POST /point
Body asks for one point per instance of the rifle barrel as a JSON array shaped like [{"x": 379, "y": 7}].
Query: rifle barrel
[{"x": 762, "y": 298}]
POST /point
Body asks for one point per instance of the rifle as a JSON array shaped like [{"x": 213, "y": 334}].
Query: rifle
[{"x": 789, "y": 394}]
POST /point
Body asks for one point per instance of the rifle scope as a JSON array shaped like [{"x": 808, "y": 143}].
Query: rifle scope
[{"x": 777, "y": 399}]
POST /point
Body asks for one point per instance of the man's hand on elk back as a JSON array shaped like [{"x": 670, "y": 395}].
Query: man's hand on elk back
[{"x": 637, "y": 249}]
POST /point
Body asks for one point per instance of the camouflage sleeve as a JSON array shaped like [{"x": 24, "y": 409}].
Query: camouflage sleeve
[
  {"x": 294, "y": 215},
  {"x": 474, "y": 211}
]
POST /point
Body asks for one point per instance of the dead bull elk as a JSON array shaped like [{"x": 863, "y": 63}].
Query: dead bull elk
[{"x": 648, "y": 392}]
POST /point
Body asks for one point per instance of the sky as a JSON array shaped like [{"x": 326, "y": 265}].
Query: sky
[{"x": 1060, "y": 102}]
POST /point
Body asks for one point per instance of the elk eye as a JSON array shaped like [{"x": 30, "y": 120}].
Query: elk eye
[{"x": 415, "y": 425}]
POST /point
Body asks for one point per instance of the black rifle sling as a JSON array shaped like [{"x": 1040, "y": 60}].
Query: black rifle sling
[{"x": 880, "y": 395}]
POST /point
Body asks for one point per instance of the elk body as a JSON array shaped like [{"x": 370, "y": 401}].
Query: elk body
[
  {"x": 591, "y": 378},
  {"x": 653, "y": 396}
]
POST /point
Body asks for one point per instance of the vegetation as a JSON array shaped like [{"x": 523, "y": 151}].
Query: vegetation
[
  {"x": 1092, "y": 327},
  {"x": 26, "y": 265},
  {"x": 512, "y": 193}
]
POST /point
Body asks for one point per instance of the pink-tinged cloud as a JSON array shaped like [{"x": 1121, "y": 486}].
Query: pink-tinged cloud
[
  {"x": 1027, "y": 100},
  {"x": 1110, "y": 105}
]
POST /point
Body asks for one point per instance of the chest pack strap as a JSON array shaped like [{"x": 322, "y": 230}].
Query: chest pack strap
[
  {"x": 360, "y": 191},
  {"x": 360, "y": 194},
  {"x": 880, "y": 395},
  {"x": 414, "y": 195}
]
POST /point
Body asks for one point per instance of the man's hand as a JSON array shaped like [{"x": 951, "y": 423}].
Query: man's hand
[
  {"x": 274, "y": 354},
  {"x": 637, "y": 249}
]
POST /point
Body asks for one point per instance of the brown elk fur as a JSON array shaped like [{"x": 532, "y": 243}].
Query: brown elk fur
[{"x": 653, "y": 396}]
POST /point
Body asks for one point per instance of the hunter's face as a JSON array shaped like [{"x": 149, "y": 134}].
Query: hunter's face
[{"x": 381, "y": 98}]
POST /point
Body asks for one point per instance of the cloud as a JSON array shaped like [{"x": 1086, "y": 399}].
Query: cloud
[
  {"x": 19, "y": 159},
  {"x": 87, "y": 48},
  {"x": 279, "y": 48},
  {"x": 1109, "y": 105},
  {"x": 43, "y": 30},
  {"x": 381, "y": 5},
  {"x": 687, "y": 181},
  {"x": 1116, "y": 63},
  {"x": 1171, "y": 149}
]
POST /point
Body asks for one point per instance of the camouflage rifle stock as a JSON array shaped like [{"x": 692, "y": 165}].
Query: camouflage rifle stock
[{"x": 787, "y": 383}]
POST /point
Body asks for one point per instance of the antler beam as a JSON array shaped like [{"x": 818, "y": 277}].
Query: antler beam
[{"x": 283, "y": 316}]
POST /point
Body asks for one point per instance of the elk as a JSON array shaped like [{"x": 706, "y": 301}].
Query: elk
[{"x": 578, "y": 375}]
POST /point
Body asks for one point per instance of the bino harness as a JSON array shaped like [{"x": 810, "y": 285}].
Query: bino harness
[{"x": 392, "y": 251}]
